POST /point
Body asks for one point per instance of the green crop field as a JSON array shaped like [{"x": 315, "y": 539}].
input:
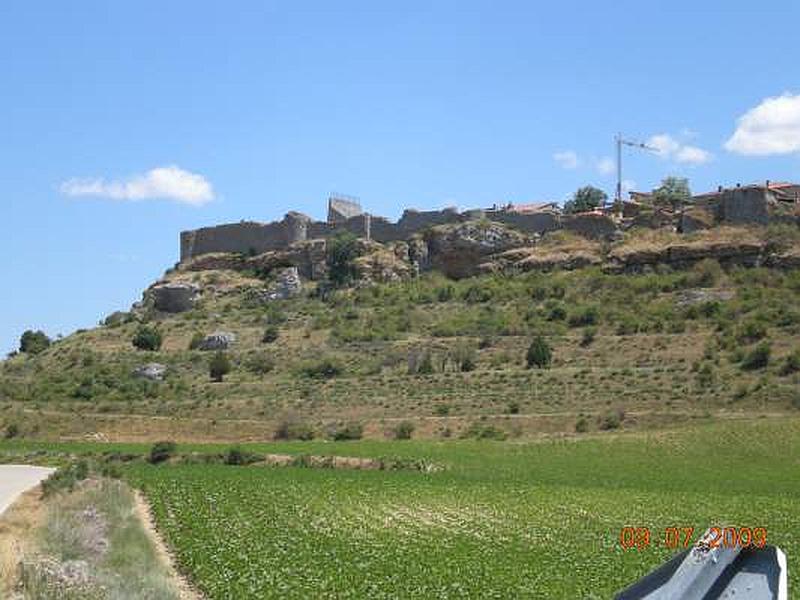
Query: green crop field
[{"x": 501, "y": 520}]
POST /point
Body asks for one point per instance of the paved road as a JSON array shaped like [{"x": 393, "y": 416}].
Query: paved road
[{"x": 15, "y": 479}]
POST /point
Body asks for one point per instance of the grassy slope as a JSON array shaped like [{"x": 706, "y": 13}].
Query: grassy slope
[
  {"x": 656, "y": 359},
  {"x": 503, "y": 520}
]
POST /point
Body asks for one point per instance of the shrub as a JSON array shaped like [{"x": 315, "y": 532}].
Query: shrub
[
  {"x": 346, "y": 431},
  {"x": 464, "y": 357},
  {"x": 420, "y": 363},
  {"x": 147, "y": 338},
  {"x": 292, "y": 429},
  {"x": 197, "y": 339},
  {"x": 588, "y": 315},
  {"x": 539, "y": 354},
  {"x": 33, "y": 342},
  {"x": 513, "y": 408},
  {"x": 752, "y": 331},
  {"x": 65, "y": 478},
  {"x": 236, "y": 456},
  {"x": 219, "y": 366},
  {"x": 791, "y": 364},
  {"x": 259, "y": 364},
  {"x": 588, "y": 336},
  {"x": 12, "y": 431},
  {"x": 581, "y": 425},
  {"x": 557, "y": 313},
  {"x": 325, "y": 368},
  {"x": 705, "y": 273},
  {"x": 611, "y": 420},
  {"x": 161, "y": 452},
  {"x": 342, "y": 250},
  {"x": 271, "y": 334},
  {"x": 758, "y": 357},
  {"x": 484, "y": 432},
  {"x": 403, "y": 430}
]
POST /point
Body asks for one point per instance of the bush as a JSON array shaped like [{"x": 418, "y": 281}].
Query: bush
[
  {"x": 343, "y": 249},
  {"x": 611, "y": 420},
  {"x": 513, "y": 408},
  {"x": 292, "y": 429},
  {"x": 791, "y": 364},
  {"x": 484, "y": 432},
  {"x": 758, "y": 357},
  {"x": 197, "y": 339},
  {"x": 147, "y": 338},
  {"x": 588, "y": 315},
  {"x": 582, "y": 425},
  {"x": 12, "y": 431},
  {"x": 588, "y": 336},
  {"x": 161, "y": 452},
  {"x": 539, "y": 354},
  {"x": 236, "y": 456},
  {"x": 403, "y": 430},
  {"x": 219, "y": 366},
  {"x": 259, "y": 364},
  {"x": 346, "y": 432},
  {"x": 271, "y": 334},
  {"x": 326, "y": 368},
  {"x": 464, "y": 356},
  {"x": 33, "y": 342},
  {"x": 65, "y": 478}
]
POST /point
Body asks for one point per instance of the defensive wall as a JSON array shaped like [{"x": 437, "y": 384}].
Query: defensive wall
[{"x": 740, "y": 205}]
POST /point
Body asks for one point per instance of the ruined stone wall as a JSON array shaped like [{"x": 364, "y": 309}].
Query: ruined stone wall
[
  {"x": 590, "y": 225},
  {"x": 741, "y": 206},
  {"x": 246, "y": 237},
  {"x": 415, "y": 220},
  {"x": 530, "y": 222}
]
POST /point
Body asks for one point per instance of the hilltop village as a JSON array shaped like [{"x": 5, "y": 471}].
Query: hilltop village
[{"x": 740, "y": 205}]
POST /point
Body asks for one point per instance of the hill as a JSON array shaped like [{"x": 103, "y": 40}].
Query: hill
[{"x": 651, "y": 329}]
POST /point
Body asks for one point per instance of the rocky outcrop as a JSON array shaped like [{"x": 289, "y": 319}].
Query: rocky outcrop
[
  {"x": 682, "y": 254},
  {"x": 151, "y": 371},
  {"x": 220, "y": 340},
  {"x": 458, "y": 250},
  {"x": 694, "y": 219},
  {"x": 172, "y": 297},
  {"x": 384, "y": 265}
]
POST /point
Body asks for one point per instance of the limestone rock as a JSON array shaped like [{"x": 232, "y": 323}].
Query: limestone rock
[
  {"x": 172, "y": 297},
  {"x": 151, "y": 371},
  {"x": 691, "y": 297},
  {"x": 220, "y": 340},
  {"x": 458, "y": 250}
]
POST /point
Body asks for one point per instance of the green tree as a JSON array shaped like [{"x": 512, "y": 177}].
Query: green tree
[
  {"x": 673, "y": 191},
  {"x": 540, "y": 354},
  {"x": 343, "y": 249},
  {"x": 219, "y": 366},
  {"x": 147, "y": 338},
  {"x": 585, "y": 199},
  {"x": 33, "y": 342}
]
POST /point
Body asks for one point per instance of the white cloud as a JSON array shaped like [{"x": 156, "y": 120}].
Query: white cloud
[
  {"x": 606, "y": 165},
  {"x": 170, "y": 183},
  {"x": 672, "y": 149},
  {"x": 567, "y": 159},
  {"x": 772, "y": 127}
]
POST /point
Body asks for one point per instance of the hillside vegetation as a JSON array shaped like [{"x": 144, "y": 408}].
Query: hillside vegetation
[{"x": 429, "y": 356}]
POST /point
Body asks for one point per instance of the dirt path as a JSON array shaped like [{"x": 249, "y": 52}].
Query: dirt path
[{"x": 185, "y": 589}]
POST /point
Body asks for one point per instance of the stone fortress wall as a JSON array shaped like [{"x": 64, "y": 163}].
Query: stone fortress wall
[{"x": 733, "y": 205}]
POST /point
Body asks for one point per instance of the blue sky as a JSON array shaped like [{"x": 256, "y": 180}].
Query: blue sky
[{"x": 123, "y": 123}]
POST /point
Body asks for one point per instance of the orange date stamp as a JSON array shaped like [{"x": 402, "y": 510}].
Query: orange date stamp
[{"x": 640, "y": 538}]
